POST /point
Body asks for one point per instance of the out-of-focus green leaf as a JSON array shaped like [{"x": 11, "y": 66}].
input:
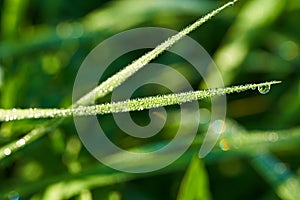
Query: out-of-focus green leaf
[
  {"x": 101, "y": 22},
  {"x": 12, "y": 15},
  {"x": 254, "y": 16},
  {"x": 195, "y": 182}
]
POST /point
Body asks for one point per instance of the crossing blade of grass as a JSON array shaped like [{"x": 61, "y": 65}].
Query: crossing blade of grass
[{"x": 111, "y": 83}]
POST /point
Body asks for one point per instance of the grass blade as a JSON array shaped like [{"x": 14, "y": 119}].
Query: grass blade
[{"x": 128, "y": 105}]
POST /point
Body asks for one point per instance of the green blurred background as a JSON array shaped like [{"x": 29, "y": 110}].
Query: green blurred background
[{"x": 43, "y": 43}]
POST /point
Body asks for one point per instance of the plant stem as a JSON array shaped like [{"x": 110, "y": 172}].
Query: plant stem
[{"x": 126, "y": 106}]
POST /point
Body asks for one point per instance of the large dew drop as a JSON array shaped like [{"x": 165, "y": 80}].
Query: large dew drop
[{"x": 264, "y": 89}]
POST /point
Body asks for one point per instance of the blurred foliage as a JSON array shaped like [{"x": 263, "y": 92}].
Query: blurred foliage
[
  {"x": 194, "y": 183},
  {"x": 43, "y": 43}
]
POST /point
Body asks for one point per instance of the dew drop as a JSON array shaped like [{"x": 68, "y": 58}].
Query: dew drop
[
  {"x": 20, "y": 142},
  {"x": 7, "y": 151},
  {"x": 264, "y": 89},
  {"x": 232, "y": 3}
]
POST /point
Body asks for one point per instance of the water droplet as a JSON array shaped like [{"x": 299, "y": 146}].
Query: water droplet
[
  {"x": 7, "y": 151},
  {"x": 253, "y": 87},
  {"x": 264, "y": 89},
  {"x": 20, "y": 142},
  {"x": 231, "y": 3}
]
